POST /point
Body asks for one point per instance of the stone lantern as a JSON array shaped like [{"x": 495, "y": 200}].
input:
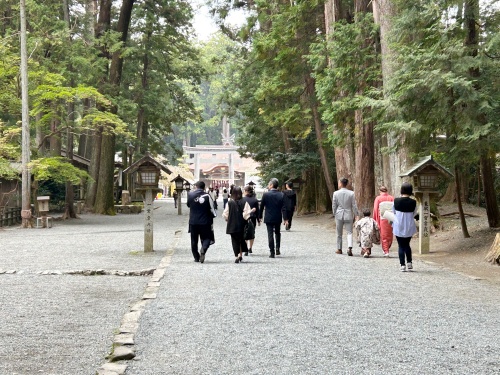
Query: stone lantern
[
  {"x": 148, "y": 172},
  {"x": 44, "y": 221},
  {"x": 180, "y": 184},
  {"x": 425, "y": 176}
]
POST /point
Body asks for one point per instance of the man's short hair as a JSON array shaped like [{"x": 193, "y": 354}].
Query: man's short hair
[
  {"x": 289, "y": 184},
  {"x": 274, "y": 182},
  {"x": 344, "y": 181},
  {"x": 200, "y": 185}
]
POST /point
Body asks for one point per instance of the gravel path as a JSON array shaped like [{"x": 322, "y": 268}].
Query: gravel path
[
  {"x": 64, "y": 324},
  {"x": 308, "y": 311},
  {"x": 313, "y": 312}
]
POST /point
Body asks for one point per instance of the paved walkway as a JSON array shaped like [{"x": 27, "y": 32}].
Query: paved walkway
[{"x": 308, "y": 311}]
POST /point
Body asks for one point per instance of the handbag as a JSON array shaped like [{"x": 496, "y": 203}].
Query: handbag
[{"x": 249, "y": 230}]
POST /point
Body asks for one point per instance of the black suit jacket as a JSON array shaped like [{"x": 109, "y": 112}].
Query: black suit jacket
[
  {"x": 272, "y": 207},
  {"x": 201, "y": 206}
]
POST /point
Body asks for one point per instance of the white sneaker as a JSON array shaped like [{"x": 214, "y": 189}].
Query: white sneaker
[
  {"x": 403, "y": 269},
  {"x": 386, "y": 255},
  {"x": 410, "y": 266}
]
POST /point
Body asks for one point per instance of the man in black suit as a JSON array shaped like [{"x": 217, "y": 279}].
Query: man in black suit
[
  {"x": 273, "y": 203},
  {"x": 201, "y": 218}
]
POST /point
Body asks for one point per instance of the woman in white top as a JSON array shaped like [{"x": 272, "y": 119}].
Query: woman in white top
[
  {"x": 403, "y": 227},
  {"x": 225, "y": 197}
]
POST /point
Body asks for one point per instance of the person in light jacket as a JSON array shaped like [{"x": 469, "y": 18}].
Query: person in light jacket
[
  {"x": 405, "y": 209},
  {"x": 345, "y": 212},
  {"x": 236, "y": 213}
]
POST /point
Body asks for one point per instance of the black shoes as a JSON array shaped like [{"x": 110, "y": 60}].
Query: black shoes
[
  {"x": 202, "y": 256},
  {"x": 250, "y": 250},
  {"x": 278, "y": 252},
  {"x": 246, "y": 253},
  {"x": 272, "y": 255},
  {"x": 349, "y": 252}
]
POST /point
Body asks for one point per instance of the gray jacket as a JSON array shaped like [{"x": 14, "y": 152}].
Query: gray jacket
[{"x": 344, "y": 205}]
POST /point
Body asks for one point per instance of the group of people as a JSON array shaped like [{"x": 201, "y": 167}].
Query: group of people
[
  {"x": 240, "y": 211},
  {"x": 382, "y": 227}
]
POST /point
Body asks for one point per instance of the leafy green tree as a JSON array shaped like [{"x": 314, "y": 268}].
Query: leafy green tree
[{"x": 436, "y": 92}]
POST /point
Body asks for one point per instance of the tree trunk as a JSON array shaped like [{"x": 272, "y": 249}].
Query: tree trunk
[
  {"x": 55, "y": 138},
  {"x": 471, "y": 12},
  {"x": 365, "y": 163},
  {"x": 142, "y": 123},
  {"x": 104, "y": 203},
  {"x": 493, "y": 255},
  {"x": 103, "y": 25},
  {"x": 69, "y": 210},
  {"x": 463, "y": 223},
  {"x": 95, "y": 163},
  {"x": 310, "y": 89},
  {"x": 395, "y": 162},
  {"x": 364, "y": 181},
  {"x": 344, "y": 156},
  {"x": 487, "y": 165}
]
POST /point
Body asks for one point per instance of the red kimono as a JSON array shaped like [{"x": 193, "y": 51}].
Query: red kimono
[{"x": 384, "y": 225}]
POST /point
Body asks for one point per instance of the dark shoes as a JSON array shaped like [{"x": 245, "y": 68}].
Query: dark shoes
[
  {"x": 278, "y": 252},
  {"x": 202, "y": 256},
  {"x": 250, "y": 250},
  {"x": 349, "y": 252},
  {"x": 237, "y": 260},
  {"x": 272, "y": 255},
  {"x": 246, "y": 253}
]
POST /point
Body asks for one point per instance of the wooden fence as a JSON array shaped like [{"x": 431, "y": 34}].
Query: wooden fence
[{"x": 10, "y": 216}]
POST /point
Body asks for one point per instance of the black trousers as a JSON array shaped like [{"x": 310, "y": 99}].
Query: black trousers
[
  {"x": 404, "y": 249},
  {"x": 238, "y": 243},
  {"x": 290, "y": 217},
  {"x": 272, "y": 230},
  {"x": 203, "y": 233}
]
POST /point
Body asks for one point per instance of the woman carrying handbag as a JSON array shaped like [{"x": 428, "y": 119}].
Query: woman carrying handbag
[{"x": 236, "y": 213}]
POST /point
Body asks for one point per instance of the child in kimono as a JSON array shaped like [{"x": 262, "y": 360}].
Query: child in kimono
[{"x": 368, "y": 233}]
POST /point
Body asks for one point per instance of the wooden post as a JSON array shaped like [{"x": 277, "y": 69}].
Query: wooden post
[
  {"x": 25, "y": 129},
  {"x": 179, "y": 209},
  {"x": 148, "y": 221},
  {"x": 424, "y": 234}
]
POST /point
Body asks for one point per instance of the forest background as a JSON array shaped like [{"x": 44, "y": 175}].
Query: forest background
[{"x": 314, "y": 89}]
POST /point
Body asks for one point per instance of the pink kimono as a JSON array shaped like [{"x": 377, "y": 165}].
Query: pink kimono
[{"x": 384, "y": 225}]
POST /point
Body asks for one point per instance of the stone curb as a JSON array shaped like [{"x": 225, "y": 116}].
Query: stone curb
[
  {"x": 98, "y": 272},
  {"x": 123, "y": 342}
]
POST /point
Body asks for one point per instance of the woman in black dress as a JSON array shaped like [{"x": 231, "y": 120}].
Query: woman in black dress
[{"x": 236, "y": 213}]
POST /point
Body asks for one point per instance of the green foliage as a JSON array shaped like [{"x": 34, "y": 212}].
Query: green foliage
[
  {"x": 435, "y": 91},
  {"x": 57, "y": 170},
  {"x": 348, "y": 75},
  {"x": 10, "y": 137},
  {"x": 162, "y": 71}
]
